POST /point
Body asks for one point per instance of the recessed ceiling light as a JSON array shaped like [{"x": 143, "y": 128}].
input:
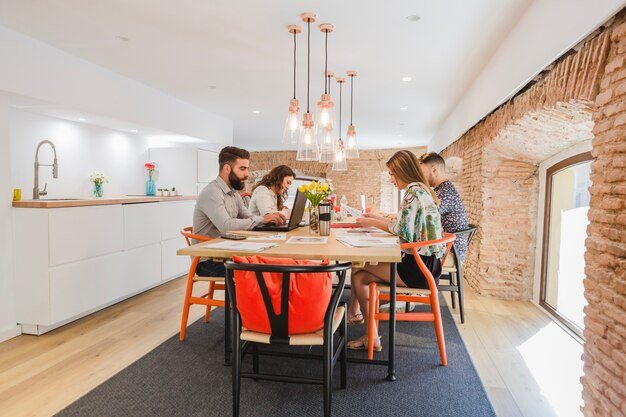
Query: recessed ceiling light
[
  {"x": 81, "y": 119},
  {"x": 123, "y": 38},
  {"x": 406, "y": 78},
  {"x": 403, "y": 108},
  {"x": 413, "y": 18},
  {"x": 400, "y": 135},
  {"x": 256, "y": 111},
  {"x": 134, "y": 131}
]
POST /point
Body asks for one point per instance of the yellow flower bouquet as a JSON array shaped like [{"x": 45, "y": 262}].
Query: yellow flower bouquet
[{"x": 316, "y": 192}]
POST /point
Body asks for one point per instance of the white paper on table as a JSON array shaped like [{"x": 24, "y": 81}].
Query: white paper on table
[
  {"x": 241, "y": 246},
  {"x": 308, "y": 240},
  {"x": 367, "y": 242},
  {"x": 271, "y": 236},
  {"x": 354, "y": 212}
]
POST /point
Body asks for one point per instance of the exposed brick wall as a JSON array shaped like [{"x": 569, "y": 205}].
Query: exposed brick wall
[
  {"x": 363, "y": 174},
  {"x": 499, "y": 179},
  {"x": 604, "y": 380}
]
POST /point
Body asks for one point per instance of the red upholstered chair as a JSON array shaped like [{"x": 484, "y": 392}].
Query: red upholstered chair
[
  {"x": 287, "y": 302},
  {"x": 429, "y": 296},
  {"x": 215, "y": 284}
]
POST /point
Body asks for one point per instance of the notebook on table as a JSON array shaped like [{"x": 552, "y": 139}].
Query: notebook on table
[{"x": 294, "y": 219}]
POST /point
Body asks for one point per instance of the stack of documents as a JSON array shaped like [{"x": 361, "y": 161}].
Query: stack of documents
[
  {"x": 368, "y": 242},
  {"x": 241, "y": 246}
]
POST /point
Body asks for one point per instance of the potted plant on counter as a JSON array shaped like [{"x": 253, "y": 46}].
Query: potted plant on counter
[
  {"x": 174, "y": 192},
  {"x": 160, "y": 192}
]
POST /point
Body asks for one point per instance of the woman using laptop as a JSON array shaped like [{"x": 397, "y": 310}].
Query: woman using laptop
[
  {"x": 418, "y": 221},
  {"x": 269, "y": 194}
]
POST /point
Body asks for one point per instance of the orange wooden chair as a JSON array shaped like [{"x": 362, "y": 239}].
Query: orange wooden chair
[
  {"x": 215, "y": 284},
  {"x": 430, "y": 296}
]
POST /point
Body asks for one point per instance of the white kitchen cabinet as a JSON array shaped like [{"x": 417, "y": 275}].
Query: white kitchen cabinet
[
  {"x": 175, "y": 216},
  {"x": 141, "y": 224},
  {"x": 67, "y": 267},
  {"x": 84, "y": 232},
  {"x": 208, "y": 165},
  {"x": 81, "y": 287},
  {"x": 172, "y": 265}
]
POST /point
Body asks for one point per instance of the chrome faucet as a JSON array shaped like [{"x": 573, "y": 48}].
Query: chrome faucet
[{"x": 55, "y": 170}]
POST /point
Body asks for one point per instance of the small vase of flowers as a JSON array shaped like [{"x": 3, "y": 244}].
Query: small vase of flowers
[
  {"x": 150, "y": 184},
  {"x": 315, "y": 192},
  {"x": 98, "y": 179}
]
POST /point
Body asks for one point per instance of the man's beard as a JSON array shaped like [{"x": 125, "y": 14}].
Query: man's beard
[{"x": 235, "y": 182}]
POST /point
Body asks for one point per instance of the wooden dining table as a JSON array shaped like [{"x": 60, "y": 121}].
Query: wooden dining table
[{"x": 332, "y": 250}]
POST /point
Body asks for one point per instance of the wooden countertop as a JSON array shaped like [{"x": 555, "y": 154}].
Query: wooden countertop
[{"x": 91, "y": 201}]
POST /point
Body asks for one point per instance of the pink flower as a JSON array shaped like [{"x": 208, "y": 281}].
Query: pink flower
[{"x": 150, "y": 166}]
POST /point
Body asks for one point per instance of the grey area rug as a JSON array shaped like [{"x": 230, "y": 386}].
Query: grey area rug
[{"x": 189, "y": 379}]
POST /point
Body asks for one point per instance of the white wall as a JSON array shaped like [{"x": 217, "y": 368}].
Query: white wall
[
  {"x": 34, "y": 69},
  {"x": 543, "y": 168},
  {"x": 517, "y": 60},
  {"x": 8, "y": 328},
  {"x": 81, "y": 149}
]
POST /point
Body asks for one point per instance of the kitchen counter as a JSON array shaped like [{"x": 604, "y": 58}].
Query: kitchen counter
[{"x": 91, "y": 201}]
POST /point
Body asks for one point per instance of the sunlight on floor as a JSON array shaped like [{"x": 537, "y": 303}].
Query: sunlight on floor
[{"x": 553, "y": 370}]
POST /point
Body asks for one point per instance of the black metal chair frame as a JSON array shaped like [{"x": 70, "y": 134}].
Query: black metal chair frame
[
  {"x": 332, "y": 350},
  {"x": 456, "y": 278}
]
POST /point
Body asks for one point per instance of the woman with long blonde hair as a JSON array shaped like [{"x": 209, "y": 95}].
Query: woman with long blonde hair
[{"x": 418, "y": 221}]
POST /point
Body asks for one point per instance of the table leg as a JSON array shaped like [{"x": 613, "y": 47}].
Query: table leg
[
  {"x": 227, "y": 324},
  {"x": 391, "y": 372}
]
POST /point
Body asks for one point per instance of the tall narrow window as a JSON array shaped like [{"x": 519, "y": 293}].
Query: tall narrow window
[{"x": 565, "y": 231}]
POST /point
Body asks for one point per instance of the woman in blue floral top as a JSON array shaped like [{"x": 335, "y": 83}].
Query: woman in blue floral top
[{"x": 418, "y": 221}]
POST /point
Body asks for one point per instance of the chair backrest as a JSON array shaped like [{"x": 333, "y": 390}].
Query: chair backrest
[
  {"x": 188, "y": 234},
  {"x": 448, "y": 239},
  {"x": 469, "y": 232},
  {"x": 246, "y": 196},
  {"x": 279, "y": 323}
]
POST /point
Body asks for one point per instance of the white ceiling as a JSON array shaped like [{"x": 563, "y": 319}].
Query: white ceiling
[{"x": 232, "y": 57}]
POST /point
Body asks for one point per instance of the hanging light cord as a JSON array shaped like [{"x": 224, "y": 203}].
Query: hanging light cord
[
  {"x": 308, "y": 63},
  {"x": 340, "y": 90},
  {"x": 326, "y": 63},
  {"x": 351, "y": 96},
  {"x": 294, "y": 64}
]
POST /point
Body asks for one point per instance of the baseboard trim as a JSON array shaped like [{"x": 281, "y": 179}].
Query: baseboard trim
[{"x": 10, "y": 332}]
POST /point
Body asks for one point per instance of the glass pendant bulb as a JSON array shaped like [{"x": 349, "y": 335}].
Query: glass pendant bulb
[
  {"x": 292, "y": 124},
  {"x": 352, "y": 152},
  {"x": 340, "y": 163},
  {"x": 327, "y": 146},
  {"x": 308, "y": 150}
]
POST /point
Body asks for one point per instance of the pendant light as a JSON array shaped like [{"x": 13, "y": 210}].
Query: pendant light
[
  {"x": 327, "y": 141},
  {"x": 292, "y": 124},
  {"x": 325, "y": 116},
  {"x": 352, "y": 152},
  {"x": 340, "y": 163},
  {"x": 307, "y": 141}
]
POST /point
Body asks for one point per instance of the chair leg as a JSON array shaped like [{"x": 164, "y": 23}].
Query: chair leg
[
  {"x": 236, "y": 364},
  {"x": 186, "y": 304},
  {"x": 371, "y": 320},
  {"x": 434, "y": 303},
  {"x": 328, "y": 372},
  {"x": 460, "y": 285},
  {"x": 343, "y": 358},
  {"x": 452, "y": 294},
  {"x": 209, "y": 296}
]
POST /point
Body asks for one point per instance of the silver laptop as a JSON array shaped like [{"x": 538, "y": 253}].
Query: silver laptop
[{"x": 294, "y": 219}]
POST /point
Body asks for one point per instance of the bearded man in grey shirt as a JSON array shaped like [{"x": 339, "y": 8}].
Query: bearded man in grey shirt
[{"x": 219, "y": 207}]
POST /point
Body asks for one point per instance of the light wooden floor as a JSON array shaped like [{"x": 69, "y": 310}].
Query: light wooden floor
[{"x": 529, "y": 366}]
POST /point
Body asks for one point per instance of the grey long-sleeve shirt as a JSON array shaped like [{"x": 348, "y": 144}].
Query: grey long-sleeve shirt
[{"x": 219, "y": 209}]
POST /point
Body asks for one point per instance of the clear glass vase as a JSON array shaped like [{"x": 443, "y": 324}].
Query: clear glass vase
[
  {"x": 98, "y": 189},
  {"x": 150, "y": 186},
  {"x": 314, "y": 220}
]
